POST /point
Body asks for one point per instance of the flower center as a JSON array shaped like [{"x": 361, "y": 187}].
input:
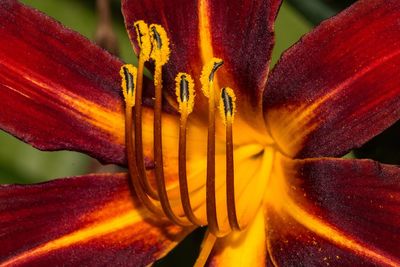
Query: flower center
[{"x": 154, "y": 45}]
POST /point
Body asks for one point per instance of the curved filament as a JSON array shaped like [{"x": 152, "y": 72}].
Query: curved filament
[{"x": 144, "y": 181}]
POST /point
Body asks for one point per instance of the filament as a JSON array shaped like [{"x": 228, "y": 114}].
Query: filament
[
  {"x": 158, "y": 154},
  {"x": 133, "y": 173},
  {"x": 144, "y": 181},
  {"x": 210, "y": 182}
]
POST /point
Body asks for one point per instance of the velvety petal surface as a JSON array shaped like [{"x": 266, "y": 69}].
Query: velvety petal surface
[
  {"x": 90, "y": 220},
  {"x": 333, "y": 212},
  {"x": 339, "y": 85},
  {"x": 240, "y": 32},
  {"x": 60, "y": 91}
]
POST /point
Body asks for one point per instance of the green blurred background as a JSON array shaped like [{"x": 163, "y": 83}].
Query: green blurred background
[{"x": 20, "y": 163}]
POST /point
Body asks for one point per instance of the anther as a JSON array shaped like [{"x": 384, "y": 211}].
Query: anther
[
  {"x": 128, "y": 79},
  {"x": 227, "y": 108},
  {"x": 227, "y": 105},
  {"x": 128, "y": 76},
  {"x": 208, "y": 90},
  {"x": 143, "y": 39},
  {"x": 184, "y": 89},
  {"x": 185, "y": 95},
  {"x": 160, "y": 45},
  {"x": 157, "y": 37}
]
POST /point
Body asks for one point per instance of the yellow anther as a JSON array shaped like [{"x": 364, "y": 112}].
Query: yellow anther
[
  {"x": 184, "y": 89},
  {"x": 128, "y": 74},
  {"x": 143, "y": 39},
  {"x": 207, "y": 74},
  {"x": 227, "y": 105},
  {"x": 160, "y": 44}
]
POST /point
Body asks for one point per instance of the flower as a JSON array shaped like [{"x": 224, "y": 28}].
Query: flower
[{"x": 292, "y": 203}]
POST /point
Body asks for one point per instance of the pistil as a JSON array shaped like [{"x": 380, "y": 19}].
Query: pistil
[
  {"x": 205, "y": 250},
  {"x": 207, "y": 79}
]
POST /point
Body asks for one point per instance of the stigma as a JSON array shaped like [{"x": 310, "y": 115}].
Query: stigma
[{"x": 155, "y": 47}]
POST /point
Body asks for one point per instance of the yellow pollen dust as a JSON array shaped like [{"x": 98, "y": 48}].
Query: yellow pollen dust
[
  {"x": 207, "y": 74},
  {"x": 143, "y": 39},
  {"x": 128, "y": 74},
  {"x": 184, "y": 89},
  {"x": 227, "y": 105},
  {"x": 160, "y": 44}
]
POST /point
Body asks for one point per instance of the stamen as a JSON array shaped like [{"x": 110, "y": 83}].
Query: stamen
[
  {"x": 128, "y": 74},
  {"x": 227, "y": 108},
  {"x": 160, "y": 55},
  {"x": 143, "y": 36},
  {"x": 207, "y": 78},
  {"x": 185, "y": 95}
]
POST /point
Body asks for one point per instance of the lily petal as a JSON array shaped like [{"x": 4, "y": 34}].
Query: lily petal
[
  {"x": 240, "y": 32},
  {"x": 246, "y": 248},
  {"x": 334, "y": 212},
  {"x": 60, "y": 91},
  {"x": 338, "y": 87},
  {"x": 90, "y": 220}
]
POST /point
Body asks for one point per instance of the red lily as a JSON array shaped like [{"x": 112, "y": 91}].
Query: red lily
[{"x": 294, "y": 204}]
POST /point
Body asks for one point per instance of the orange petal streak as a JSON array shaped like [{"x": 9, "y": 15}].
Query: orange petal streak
[{"x": 85, "y": 220}]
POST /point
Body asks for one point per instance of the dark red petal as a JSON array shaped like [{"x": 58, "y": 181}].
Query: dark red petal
[
  {"x": 238, "y": 31},
  {"x": 339, "y": 86},
  {"x": 90, "y": 220},
  {"x": 334, "y": 211},
  {"x": 57, "y": 89},
  {"x": 242, "y": 33}
]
